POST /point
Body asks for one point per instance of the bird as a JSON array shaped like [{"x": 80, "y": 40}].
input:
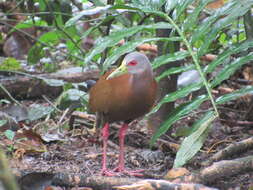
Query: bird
[{"x": 123, "y": 94}]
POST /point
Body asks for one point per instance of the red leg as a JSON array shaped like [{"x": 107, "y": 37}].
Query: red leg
[
  {"x": 122, "y": 134},
  {"x": 105, "y": 135},
  {"x": 121, "y": 166}
]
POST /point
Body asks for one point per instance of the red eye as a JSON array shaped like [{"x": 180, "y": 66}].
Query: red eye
[{"x": 132, "y": 63}]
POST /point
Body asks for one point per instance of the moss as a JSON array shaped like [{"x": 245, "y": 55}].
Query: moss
[{"x": 10, "y": 64}]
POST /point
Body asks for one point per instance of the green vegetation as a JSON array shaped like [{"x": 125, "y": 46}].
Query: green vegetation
[{"x": 10, "y": 64}]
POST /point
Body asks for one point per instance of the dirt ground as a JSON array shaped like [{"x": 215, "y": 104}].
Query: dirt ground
[{"x": 78, "y": 152}]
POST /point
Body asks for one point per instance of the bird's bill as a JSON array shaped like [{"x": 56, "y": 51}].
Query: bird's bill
[{"x": 122, "y": 69}]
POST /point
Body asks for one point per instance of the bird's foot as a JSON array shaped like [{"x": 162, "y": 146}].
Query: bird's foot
[
  {"x": 136, "y": 173},
  {"x": 108, "y": 173}
]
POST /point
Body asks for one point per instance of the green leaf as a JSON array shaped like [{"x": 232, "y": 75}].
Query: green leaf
[
  {"x": 116, "y": 36},
  {"x": 29, "y": 23},
  {"x": 35, "y": 53},
  {"x": 53, "y": 82},
  {"x": 170, "y": 5},
  {"x": 10, "y": 63},
  {"x": 226, "y": 54},
  {"x": 175, "y": 70},
  {"x": 51, "y": 37},
  {"x": 209, "y": 22},
  {"x": 164, "y": 59},
  {"x": 177, "y": 114},
  {"x": 9, "y": 134},
  {"x": 4, "y": 101},
  {"x": 230, "y": 69},
  {"x": 148, "y": 4},
  {"x": 3, "y": 122},
  {"x": 125, "y": 7},
  {"x": 192, "y": 18},
  {"x": 98, "y": 3},
  {"x": 177, "y": 94},
  {"x": 42, "y": 5},
  {"x": 86, "y": 12},
  {"x": 224, "y": 16},
  {"x": 234, "y": 95},
  {"x": 130, "y": 46},
  {"x": 93, "y": 28},
  {"x": 181, "y": 7},
  {"x": 192, "y": 144},
  {"x": 38, "y": 111},
  {"x": 71, "y": 97}
]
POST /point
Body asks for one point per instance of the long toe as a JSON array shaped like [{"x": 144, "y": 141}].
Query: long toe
[
  {"x": 108, "y": 173},
  {"x": 136, "y": 173}
]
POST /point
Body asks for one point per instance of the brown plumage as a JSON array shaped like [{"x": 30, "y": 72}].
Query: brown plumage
[
  {"x": 123, "y": 94},
  {"x": 118, "y": 101}
]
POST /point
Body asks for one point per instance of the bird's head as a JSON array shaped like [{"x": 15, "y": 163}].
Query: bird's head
[{"x": 133, "y": 63}]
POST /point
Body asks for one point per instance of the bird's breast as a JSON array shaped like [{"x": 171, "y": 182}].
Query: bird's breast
[{"x": 122, "y": 98}]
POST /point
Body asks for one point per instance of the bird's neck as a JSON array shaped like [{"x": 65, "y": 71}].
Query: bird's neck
[{"x": 142, "y": 81}]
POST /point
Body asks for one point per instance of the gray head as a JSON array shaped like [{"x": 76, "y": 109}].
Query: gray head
[
  {"x": 137, "y": 62},
  {"x": 134, "y": 63}
]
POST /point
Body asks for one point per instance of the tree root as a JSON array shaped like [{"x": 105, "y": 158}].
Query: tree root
[
  {"x": 218, "y": 170},
  {"x": 103, "y": 183},
  {"x": 232, "y": 149},
  {"x": 163, "y": 184}
]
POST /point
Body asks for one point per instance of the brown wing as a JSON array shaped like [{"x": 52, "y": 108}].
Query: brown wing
[
  {"x": 109, "y": 95},
  {"x": 153, "y": 93}
]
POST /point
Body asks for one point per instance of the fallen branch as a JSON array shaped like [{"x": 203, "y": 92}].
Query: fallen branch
[
  {"x": 232, "y": 149},
  {"x": 22, "y": 85},
  {"x": 106, "y": 183},
  {"x": 237, "y": 123},
  {"x": 163, "y": 184},
  {"x": 221, "y": 169},
  {"x": 95, "y": 182},
  {"x": 226, "y": 168}
]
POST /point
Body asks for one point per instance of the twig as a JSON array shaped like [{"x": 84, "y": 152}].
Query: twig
[
  {"x": 51, "y": 103},
  {"x": 236, "y": 122},
  {"x": 10, "y": 96},
  {"x": 63, "y": 115},
  {"x": 144, "y": 18},
  {"x": 217, "y": 143}
]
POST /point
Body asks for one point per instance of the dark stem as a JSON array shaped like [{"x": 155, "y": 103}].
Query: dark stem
[
  {"x": 104, "y": 55},
  {"x": 167, "y": 84}
]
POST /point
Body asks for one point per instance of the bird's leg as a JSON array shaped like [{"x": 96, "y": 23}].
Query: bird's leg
[
  {"x": 122, "y": 134},
  {"x": 105, "y": 135},
  {"x": 121, "y": 166}
]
